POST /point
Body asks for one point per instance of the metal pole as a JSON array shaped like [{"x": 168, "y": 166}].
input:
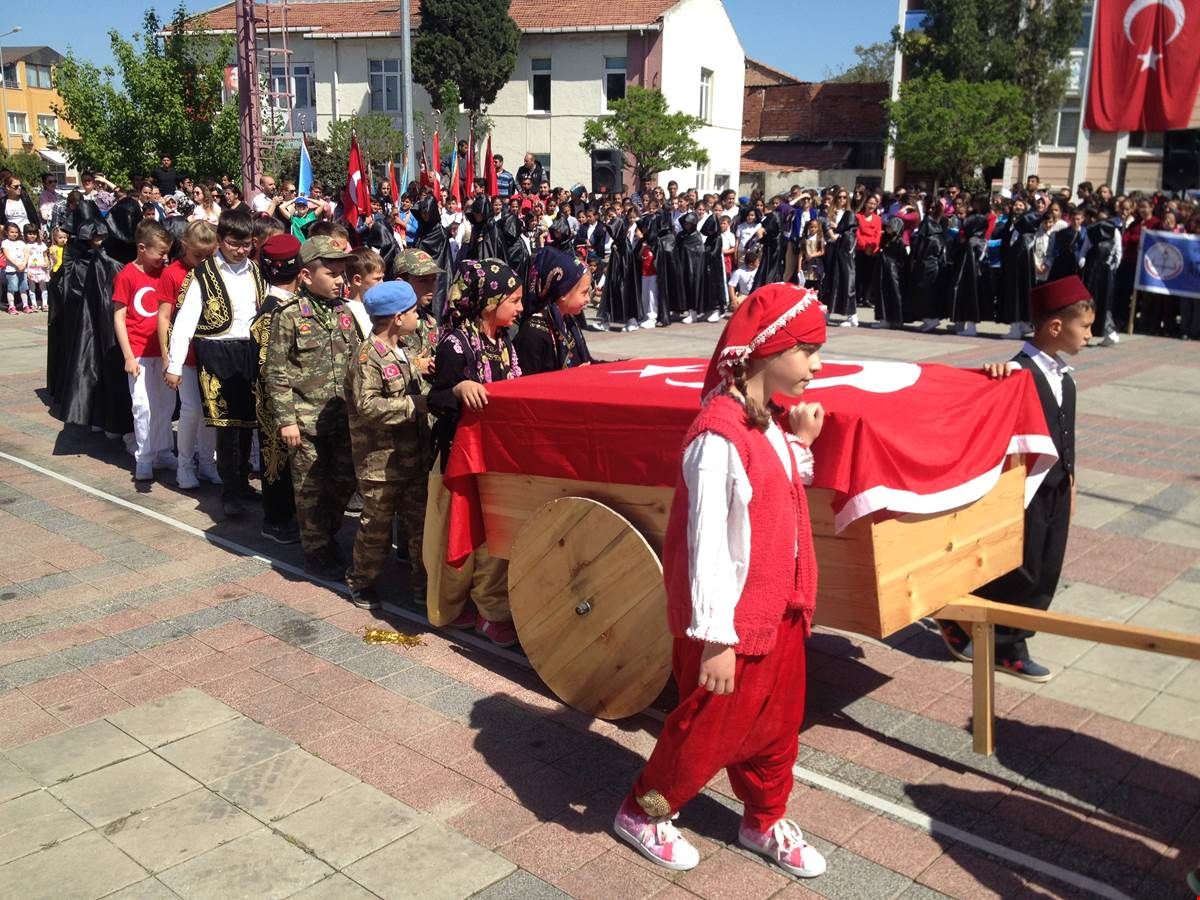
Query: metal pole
[
  {"x": 406, "y": 90},
  {"x": 249, "y": 111}
]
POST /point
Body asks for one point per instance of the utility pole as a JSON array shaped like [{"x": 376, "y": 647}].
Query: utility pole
[
  {"x": 407, "y": 93},
  {"x": 249, "y": 109}
]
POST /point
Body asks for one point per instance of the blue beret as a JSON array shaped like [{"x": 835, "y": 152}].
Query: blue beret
[{"x": 389, "y": 297}]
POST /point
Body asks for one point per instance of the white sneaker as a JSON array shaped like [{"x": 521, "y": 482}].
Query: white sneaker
[
  {"x": 714, "y": 316},
  {"x": 687, "y": 318},
  {"x": 929, "y": 325},
  {"x": 648, "y": 323},
  {"x": 166, "y": 461},
  {"x": 656, "y": 839},
  {"x": 185, "y": 478},
  {"x": 209, "y": 473},
  {"x": 1111, "y": 339},
  {"x": 784, "y": 845}
]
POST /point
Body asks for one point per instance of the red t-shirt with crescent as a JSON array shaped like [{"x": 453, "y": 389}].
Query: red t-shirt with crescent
[
  {"x": 138, "y": 293},
  {"x": 169, "y": 284}
]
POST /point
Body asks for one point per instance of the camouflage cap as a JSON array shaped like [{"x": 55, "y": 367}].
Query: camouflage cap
[
  {"x": 416, "y": 262},
  {"x": 321, "y": 247}
]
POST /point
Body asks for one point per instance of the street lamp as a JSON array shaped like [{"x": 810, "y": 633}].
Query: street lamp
[{"x": 4, "y": 86}]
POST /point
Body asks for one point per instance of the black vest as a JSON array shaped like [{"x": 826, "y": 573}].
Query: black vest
[{"x": 1060, "y": 419}]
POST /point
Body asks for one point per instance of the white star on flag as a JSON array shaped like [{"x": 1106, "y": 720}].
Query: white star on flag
[{"x": 1149, "y": 59}]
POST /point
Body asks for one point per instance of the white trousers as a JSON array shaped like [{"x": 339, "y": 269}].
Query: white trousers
[
  {"x": 194, "y": 437},
  {"x": 650, "y": 297},
  {"x": 153, "y": 403}
]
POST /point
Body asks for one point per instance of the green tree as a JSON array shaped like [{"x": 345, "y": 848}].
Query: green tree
[
  {"x": 875, "y": 63},
  {"x": 27, "y": 166},
  {"x": 651, "y": 137},
  {"x": 163, "y": 98},
  {"x": 470, "y": 45},
  {"x": 951, "y": 128},
  {"x": 378, "y": 142},
  {"x": 1014, "y": 41}
]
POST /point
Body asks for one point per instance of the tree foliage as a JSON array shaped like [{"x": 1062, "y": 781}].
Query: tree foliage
[
  {"x": 470, "y": 44},
  {"x": 27, "y": 166},
  {"x": 875, "y": 63},
  {"x": 377, "y": 140},
  {"x": 163, "y": 98},
  {"x": 953, "y": 127},
  {"x": 652, "y": 138},
  {"x": 1018, "y": 42}
]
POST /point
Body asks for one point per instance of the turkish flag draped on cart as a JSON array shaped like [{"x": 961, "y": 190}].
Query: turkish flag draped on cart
[
  {"x": 898, "y": 438},
  {"x": 1144, "y": 72}
]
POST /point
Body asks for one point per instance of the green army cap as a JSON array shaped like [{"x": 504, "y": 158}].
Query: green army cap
[
  {"x": 416, "y": 262},
  {"x": 321, "y": 247}
]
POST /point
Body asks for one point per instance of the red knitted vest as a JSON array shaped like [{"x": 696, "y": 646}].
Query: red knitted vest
[{"x": 782, "y": 573}]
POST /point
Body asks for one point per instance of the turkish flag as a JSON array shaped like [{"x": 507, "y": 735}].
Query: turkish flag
[
  {"x": 898, "y": 437},
  {"x": 1144, "y": 73},
  {"x": 356, "y": 199}
]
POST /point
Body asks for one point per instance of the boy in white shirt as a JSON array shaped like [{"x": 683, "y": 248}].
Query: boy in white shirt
[{"x": 741, "y": 282}]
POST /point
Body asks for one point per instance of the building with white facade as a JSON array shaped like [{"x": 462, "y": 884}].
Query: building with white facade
[{"x": 574, "y": 58}]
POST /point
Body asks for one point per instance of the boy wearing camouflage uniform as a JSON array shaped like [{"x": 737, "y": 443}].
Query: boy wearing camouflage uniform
[
  {"x": 312, "y": 340},
  {"x": 419, "y": 270},
  {"x": 389, "y": 430}
]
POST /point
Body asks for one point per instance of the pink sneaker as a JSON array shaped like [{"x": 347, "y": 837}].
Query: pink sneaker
[
  {"x": 656, "y": 839},
  {"x": 12, "y": 311},
  {"x": 466, "y": 620},
  {"x": 784, "y": 844},
  {"x": 502, "y": 634}
]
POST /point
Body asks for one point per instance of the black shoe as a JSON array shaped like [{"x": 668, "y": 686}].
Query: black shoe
[
  {"x": 355, "y": 504},
  {"x": 287, "y": 533},
  {"x": 246, "y": 492},
  {"x": 366, "y": 598},
  {"x": 956, "y": 639},
  {"x": 232, "y": 507},
  {"x": 324, "y": 566},
  {"x": 1021, "y": 666}
]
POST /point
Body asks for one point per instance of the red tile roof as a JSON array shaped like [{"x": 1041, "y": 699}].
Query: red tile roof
[
  {"x": 815, "y": 111},
  {"x": 339, "y": 16}
]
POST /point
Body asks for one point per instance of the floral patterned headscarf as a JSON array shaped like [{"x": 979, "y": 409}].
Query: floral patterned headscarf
[{"x": 479, "y": 285}]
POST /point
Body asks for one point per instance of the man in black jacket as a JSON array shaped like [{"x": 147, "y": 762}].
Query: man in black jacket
[
  {"x": 165, "y": 175},
  {"x": 531, "y": 169}
]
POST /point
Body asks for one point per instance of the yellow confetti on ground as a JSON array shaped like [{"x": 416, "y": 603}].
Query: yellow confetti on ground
[{"x": 387, "y": 636}]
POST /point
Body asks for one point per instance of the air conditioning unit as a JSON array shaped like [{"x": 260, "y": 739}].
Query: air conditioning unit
[{"x": 27, "y": 139}]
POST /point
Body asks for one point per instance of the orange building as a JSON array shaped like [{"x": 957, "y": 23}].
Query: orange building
[{"x": 28, "y": 99}]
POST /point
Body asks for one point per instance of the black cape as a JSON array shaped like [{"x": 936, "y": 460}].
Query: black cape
[
  {"x": 927, "y": 271},
  {"x": 671, "y": 297},
  {"x": 691, "y": 263},
  {"x": 1100, "y": 271},
  {"x": 379, "y": 237},
  {"x": 892, "y": 274},
  {"x": 1068, "y": 246},
  {"x": 838, "y": 288},
  {"x": 514, "y": 250},
  {"x": 620, "y": 301},
  {"x": 714, "y": 295},
  {"x": 970, "y": 297},
  {"x": 432, "y": 238},
  {"x": 772, "y": 260},
  {"x": 485, "y": 242},
  {"x": 1016, "y": 268}
]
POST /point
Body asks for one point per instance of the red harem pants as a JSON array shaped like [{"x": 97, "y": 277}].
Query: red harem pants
[{"x": 753, "y": 732}]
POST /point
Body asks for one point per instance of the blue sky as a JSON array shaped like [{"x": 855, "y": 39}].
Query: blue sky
[{"x": 804, "y": 37}]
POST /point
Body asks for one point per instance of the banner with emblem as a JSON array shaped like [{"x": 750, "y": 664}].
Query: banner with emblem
[{"x": 1169, "y": 263}]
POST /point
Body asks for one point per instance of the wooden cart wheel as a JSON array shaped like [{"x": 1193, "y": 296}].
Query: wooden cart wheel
[{"x": 589, "y": 605}]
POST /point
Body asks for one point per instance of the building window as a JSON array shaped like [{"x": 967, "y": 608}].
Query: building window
[
  {"x": 1066, "y": 132},
  {"x": 720, "y": 183},
  {"x": 706, "y": 78},
  {"x": 1145, "y": 140},
  {"x": 37, "y": 76},
  {"x": 48, "y": 125},
  {"x": 1074, "y": 72},
  {"x": 1085, "y": 29},
  {"x": 614, "y": 79},
  {"x": 544, "y": 159},
  {"x": 384, "y": 75},
  {"x": 702, "y": 178},
  {"x": 18, "y": 123},
  {"x": 539, "y": 85},
  {"x": 301, "y": 86},
  {"x": 10, "y": 77}
]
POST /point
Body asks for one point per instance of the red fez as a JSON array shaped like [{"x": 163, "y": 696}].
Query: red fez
[
  {"x": 1055, "y": 295},
  {"x": 774, "y": 318},
  {"x": 280, "y": 248}
]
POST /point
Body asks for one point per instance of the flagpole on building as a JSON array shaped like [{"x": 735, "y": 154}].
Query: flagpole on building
[{"x": 406, "y": 86}]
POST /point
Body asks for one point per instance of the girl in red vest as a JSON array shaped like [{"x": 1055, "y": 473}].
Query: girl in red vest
[{"x": 741, "y": 580}]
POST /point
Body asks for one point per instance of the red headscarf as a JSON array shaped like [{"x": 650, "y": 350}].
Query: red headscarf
[{"x": 774, "y": 318}]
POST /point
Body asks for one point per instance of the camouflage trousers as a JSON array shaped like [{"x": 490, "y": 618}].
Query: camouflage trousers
[
  {"x": 323, "y": 481},
  {"x": 382, "y": 502}
]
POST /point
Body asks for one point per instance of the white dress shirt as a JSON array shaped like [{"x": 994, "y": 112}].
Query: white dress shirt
[
  {"x": 243, "y": 301},
  {"x": 719, "y": 495},
  {"x": 1053, "y": 368}
]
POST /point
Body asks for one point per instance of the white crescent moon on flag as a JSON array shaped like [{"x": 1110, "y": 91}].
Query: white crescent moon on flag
[
  {"x": 137, "y": 303},
  {"x": 1174, "y": 6},
  {"x": 874, "y": 376}
]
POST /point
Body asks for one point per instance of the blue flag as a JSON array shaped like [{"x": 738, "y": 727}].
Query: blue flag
[
  {"x": 305, "y": 180},
  {"x": 1169, "y": 263}
]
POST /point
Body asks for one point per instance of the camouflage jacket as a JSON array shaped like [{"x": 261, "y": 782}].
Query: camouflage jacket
[
  {"x": 310, "y": 347},
  {"x": 389, "y": 422},
  {"x": 422, "y": 342}
]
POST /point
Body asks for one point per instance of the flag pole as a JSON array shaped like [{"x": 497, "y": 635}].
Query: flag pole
[
  {"x": 1137, "y": 276},
  {"x": 406, "y": 85}
]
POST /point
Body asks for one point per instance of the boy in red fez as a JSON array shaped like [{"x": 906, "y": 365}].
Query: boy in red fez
[
  {"x": 741, "y": 580},
  {"x": 1063, "y": 312}
]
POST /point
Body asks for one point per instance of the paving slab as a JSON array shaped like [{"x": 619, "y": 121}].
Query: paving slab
[
  {"x": 14, "y": 781},
  {"x": 366, "y": 818},
  {"x": 170, "y": 718},
  {"x": 179, "y": 829},
  {"x": 438, "y": 864},
  {"x": 336, "y": 887},
  {"x": 75, "y": 752},
  {"x": 258, "y": 866},
  {"x": 281, "y": 784},
  {"x": 150, "y": 889},
  {"x": 123, "y": 788},
  {"x": 224, "y": 749},
  {"x": 33, "y": 821},
  {"x": 80, "y": 868}
]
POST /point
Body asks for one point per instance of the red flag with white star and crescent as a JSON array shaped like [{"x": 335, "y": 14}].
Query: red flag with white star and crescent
[{"x": 1144, "y": 74}]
